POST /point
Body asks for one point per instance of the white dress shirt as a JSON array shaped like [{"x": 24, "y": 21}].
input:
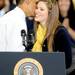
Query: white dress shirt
[{"x": 11, "y": 25}]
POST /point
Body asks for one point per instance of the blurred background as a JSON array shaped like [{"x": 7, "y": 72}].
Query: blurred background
[{"x": 7, "y": 5}]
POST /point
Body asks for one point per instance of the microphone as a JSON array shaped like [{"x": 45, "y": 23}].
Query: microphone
[{"x": 23, "y": 35}]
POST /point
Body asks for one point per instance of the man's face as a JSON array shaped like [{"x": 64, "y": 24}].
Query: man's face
[
  {"x": 2, "y": 4},
  {"x": 31, "y": 7}
]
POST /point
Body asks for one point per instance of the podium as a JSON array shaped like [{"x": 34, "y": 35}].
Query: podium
[{"x": 12, "y": 63}]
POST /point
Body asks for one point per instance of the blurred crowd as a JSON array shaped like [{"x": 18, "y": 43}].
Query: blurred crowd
[
  {"x": 54, "y": 26},
  {"x": 7, "y": 5}
]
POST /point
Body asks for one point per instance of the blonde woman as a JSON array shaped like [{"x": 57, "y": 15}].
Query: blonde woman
[
  {"x": 46, "y": 17},
  {"x": 48, "y": 27}
]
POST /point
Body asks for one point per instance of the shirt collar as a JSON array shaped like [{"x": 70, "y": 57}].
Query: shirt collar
[{"x": 2, "y": 12}]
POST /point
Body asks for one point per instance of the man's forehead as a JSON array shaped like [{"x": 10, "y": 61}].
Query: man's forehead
[{"x": 35, "y": 0}]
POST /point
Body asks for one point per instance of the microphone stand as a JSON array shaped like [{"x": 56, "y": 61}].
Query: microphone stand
[{"x": 24, "y": 38}]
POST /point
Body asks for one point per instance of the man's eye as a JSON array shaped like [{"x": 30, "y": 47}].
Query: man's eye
[
  {"x": 37, "y": 2},
  {"x": 42, "y": 9}
]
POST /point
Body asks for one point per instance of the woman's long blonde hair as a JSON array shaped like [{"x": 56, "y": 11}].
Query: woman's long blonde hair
[{"x": 52, "y": 23}]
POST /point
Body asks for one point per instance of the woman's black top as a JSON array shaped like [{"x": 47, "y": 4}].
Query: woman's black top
[{"x": 62, "y": 43}]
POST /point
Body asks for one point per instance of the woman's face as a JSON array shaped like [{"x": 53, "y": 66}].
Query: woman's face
[
  {"x": 41, "y": 12},
  {"x": 64, "y": 5}
]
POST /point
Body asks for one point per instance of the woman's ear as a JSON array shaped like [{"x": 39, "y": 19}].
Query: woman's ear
[{"x": 27, "y": 1}]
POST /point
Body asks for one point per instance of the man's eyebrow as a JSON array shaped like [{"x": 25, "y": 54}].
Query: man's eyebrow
[{"x": 37, "y": 1}]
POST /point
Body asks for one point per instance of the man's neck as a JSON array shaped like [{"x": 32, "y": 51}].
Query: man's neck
[{"x": 25, "y": 9}]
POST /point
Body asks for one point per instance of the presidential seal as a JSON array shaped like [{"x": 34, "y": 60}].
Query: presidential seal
[{"x": 28, "y": 66}]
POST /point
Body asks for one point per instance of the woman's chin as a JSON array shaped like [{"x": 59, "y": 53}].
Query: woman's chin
[{"x": 36, "y": 19}]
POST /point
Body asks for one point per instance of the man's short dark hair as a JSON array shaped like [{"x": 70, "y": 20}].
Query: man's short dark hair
[{"x": 19, "y": 1}]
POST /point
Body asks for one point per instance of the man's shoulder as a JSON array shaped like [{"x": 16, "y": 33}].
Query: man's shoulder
[{"x": 11, "y": 15}]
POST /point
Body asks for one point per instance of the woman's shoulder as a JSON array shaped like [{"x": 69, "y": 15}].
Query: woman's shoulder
[{"x": 60, "y": 29}]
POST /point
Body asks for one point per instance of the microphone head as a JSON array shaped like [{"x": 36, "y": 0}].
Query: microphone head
[{"x": 23, "y": 33}]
